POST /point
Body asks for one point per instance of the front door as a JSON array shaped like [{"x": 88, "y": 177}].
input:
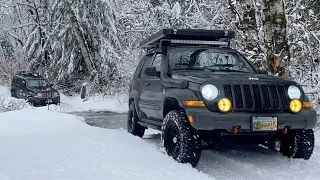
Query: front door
[
  {"x": 21, "y": 91},
  {"x": 150, "y": 102}
]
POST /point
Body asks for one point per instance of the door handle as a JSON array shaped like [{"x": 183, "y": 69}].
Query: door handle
[{"x": 147, "y": 84}]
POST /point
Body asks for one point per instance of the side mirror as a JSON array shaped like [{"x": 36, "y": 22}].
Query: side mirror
[
  {"x": 263, "y": 71},
  {"x": 150, "y": 71}
]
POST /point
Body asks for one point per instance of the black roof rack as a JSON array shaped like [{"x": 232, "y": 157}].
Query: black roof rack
[
  {"x": 188, "y": 34},
  {"x": 28, "y": 74}
]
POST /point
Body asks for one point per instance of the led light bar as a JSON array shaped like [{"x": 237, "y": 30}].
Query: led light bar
[{"x": 198, "y": 42}]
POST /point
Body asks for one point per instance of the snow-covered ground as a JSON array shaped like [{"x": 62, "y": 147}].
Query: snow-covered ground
[
  {"x": 40, "y": 144},
  {"x": 45, "y": 143},
  {"x": 7, "y": 103},
  {"x": 93, "y": 103}
]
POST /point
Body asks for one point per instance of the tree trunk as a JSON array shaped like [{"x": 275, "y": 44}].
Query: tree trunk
[
  {"x": 84, "y": 50},
  {"x": 275, "y": 24},
  {"x": 262, "y": 26},
  {"x": 80, "y": 39},
  {"x": 248, "y": 24}
]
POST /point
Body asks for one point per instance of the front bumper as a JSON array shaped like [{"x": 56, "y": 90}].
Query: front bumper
[
  {"x": 40, "y": 101},
  {"x": 203, "y": 119}
]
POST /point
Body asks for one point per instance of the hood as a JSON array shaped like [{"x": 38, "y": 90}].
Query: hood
[
  {"x": 205, "y": 76},
  {"x": 42, "y": 89}
]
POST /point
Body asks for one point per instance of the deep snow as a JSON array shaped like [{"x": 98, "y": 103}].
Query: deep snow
[
  {"x": 43, "y": 143},
  {"x": 40, "y": 144}
]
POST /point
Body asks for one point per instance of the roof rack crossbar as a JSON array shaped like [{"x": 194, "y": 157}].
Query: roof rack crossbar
[{"x": 188, "y": 34}]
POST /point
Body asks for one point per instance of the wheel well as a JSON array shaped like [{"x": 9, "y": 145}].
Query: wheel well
[{"x": 170, "y": 104}]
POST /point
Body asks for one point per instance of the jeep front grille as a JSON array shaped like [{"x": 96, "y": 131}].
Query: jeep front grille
[
  {"x": 48, "y": 95},
  {"x": 258, "y": 98}
]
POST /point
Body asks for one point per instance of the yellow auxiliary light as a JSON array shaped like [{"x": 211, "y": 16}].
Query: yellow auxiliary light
[
  {"x": 224, "y": 105},
  {"x": 295, "y": 105}
]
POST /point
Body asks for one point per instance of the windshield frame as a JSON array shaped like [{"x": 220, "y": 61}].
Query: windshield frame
[
  {"x": 28, "y": 81},
  {"x": 218, "y": 49}
]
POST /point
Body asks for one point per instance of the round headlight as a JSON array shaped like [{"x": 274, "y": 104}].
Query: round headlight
[
  {"x": 295, "y": 105},
  {"x": 224, "y": 105},
  {"x": 294, "y": 92},
  {"x": 209, "y": 92}
]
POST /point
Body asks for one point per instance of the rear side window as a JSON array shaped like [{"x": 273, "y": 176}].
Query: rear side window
[
  {"x": 139, "y": 68},
  {"x": 14, "y": 80},
  {"x": 148, "y": 63},
  {"x": 157, "y": 62}
]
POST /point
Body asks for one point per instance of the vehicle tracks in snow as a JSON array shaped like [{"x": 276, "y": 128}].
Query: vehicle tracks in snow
[{"x": 223, "y": 162}]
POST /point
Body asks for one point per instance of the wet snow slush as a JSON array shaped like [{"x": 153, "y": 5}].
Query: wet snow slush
[{"x": 228, "y": 163}]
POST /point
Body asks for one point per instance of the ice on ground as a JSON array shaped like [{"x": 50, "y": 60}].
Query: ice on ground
[{"x": 38, "y": 144}]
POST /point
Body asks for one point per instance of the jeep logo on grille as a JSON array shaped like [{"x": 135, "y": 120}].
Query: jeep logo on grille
[{"x": 253, "y": 78}]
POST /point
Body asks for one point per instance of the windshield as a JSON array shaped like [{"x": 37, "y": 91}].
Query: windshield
[
  {"x": 208, "y": 58},
  {"x": 37, "y": 83}
]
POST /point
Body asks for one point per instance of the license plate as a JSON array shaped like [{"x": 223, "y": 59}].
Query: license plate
[
  {"x": 49, "y": 101},
  {"x": 264, "y": 123}
]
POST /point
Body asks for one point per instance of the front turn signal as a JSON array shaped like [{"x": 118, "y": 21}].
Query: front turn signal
[
  {"x": 295, "y": 105},
  {"x": 194, "y": 103},
  {"x": 224, "y": 105},
  {"x": 307, "y": 105}
]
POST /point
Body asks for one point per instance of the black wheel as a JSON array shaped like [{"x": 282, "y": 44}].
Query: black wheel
[
  {"x": 180, "y": 140},
  {"x": 31, "y": 101},
  {"x": 132, "y": 125},
  {"x": 298, "y": 144},
  {"x": 13, "y": 93}
]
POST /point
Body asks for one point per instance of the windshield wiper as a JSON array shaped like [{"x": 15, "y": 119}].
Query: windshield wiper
[
  {"x": 225, "y": 70},
  {"x": 189, "y": 68}
]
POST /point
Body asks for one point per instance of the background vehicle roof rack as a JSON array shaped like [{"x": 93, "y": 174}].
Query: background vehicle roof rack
[
  {"x": 28, "y": 74},
  {"x": 188, "y": 35}
]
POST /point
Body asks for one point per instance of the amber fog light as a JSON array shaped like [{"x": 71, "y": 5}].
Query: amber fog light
[
  {"x": 224, "y": 105},
  {"x": 295, "y": 105}
]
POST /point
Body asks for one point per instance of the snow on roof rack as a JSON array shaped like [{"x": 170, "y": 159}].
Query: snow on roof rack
[
  {"x": 28, "y": 74},
  {"x": 188, "y": 34}
]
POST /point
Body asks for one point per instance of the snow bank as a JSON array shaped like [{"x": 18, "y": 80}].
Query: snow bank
[
  {"x": 7, "y": 103},
  {"x": 97, "y": 102},
  {"x": 38, "y": 144}
]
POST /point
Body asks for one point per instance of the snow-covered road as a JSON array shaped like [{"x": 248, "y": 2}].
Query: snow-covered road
[
  {"x": 243, "y": 163},
  {"x": 37, "y": 144}
]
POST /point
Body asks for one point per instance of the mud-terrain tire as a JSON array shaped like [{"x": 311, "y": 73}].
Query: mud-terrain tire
[
  {"x": 132, "y": 124},
  {"x": 13, "y": 94},
  {"x": 180, "y": 140},
  {"x": 31, "y": 101},
  {"x": 298, "y": 144}
]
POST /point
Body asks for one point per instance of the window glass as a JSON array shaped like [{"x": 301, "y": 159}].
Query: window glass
[
  {"x": 139, "y": 68},
  {"x": 157, "y": 62},
  {"x": 147, "y": 63},
  {"x": 37, "y": 83},
  {"x": 208, "y": 58}
]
